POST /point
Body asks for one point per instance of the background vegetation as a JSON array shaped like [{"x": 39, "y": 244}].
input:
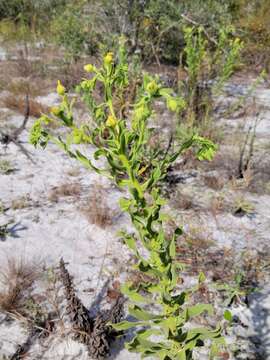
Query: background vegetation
[{"x": 154, "y": 28}]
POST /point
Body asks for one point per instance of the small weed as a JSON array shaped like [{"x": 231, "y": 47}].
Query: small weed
[
  {"x": 4, "y": 231},
  {"x": 6, "y": 167},
  {"x": 242, "y": 207}
]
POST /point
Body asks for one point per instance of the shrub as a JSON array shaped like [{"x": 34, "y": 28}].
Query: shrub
[
  {"x": 123, "y": 143},
  {"x": 74, "y": 30},
  {"x": 154, "y": 27},
  {"x": 30, "y": 12}
]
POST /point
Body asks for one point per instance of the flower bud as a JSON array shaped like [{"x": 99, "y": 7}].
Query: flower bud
[
  {"x": 111, "y": 121},
  {"x": 108, "y": 59},
  {"x": 55, "y": 110},
  {"x": 89, "y": 68},
  {"x": 60, "y": 89},
  {"x": 172, "y": 104},
  {"x": 152, "y": 87}
]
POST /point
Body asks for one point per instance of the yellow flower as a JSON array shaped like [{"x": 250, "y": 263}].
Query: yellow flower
[
  {"x": 111, "y": 121},
  {"x": 55, "y": 110},
  {"x": 89, "y": 68},
  {"x": 60, "y": 89},
  {"x": 152, "y": 87},
  {"x": 172, "y": 104},
  {"x": 108, "y": 59}
]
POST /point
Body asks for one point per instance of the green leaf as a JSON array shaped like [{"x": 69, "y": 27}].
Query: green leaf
[
  {"x": 141, "y": 314},
  {"x": 228, "y": 315},
  {"x": 125, "y": 325},
  {"x": 134, "y": 295},
  {"x": 201, "y": 278},
  {"x": 172, "y": 250},
  {"x": 125, "y": 204},
  {"x": 198, "y": 309}
]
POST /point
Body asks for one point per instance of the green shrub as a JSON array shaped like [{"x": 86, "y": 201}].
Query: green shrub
[
  {"x": 31, "y": 12},
  {"x": 73, "y": 30},
  {"x": 155, "y": 27}
]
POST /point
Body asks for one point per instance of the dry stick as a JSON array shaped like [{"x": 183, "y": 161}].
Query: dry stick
[
  {"x": 101, "y": 266},
  {"x": 242, "y": 153},
  {"x": 243, "y": 165},
  {"x": 251, "y": 145},
  {"x": 6, "y": 139}
]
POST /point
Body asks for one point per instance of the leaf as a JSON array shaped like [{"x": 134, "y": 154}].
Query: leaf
[
  {"x": 172, "y": 249},
  {"x": 198, "y": 309},
  {"x": 201, "y": 277},
  {"x": 141, "y": 314},
  {"x": 99, "y": 153},
  {"x": 131, "y": 243},
  {"x": 228, "y": 315},
  {"x": 125, "y": 204},
  {"x": 134, "y": 295},
  {"x": 125, "y": 325}
]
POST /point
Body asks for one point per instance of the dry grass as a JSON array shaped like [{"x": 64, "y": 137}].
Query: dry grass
[
  {"x": 181, "y": 201},
  {"x": 21, "y": 87},
  {"x": 17, "y": 280},
  {"x": 213, "y": 182},
  {"x": 97, "y": 209},
  {"x": 65, "y": 190},
  {"x": 218, "y": 204},
  {"x": 21, "y": 203},
  {"x": 18, "y": 104}
]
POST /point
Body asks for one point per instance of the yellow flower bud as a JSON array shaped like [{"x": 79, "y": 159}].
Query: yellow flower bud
[
  {"x": 89, "y": 68},
  {"x": 108, "y": 59},
  {"x": 172, "y": 104},
  {"x": 111, "y": 121},
  {"x": 152, "y": 87},
  {"x": 55, "y": 110},
  {"x": 60, "y": 89}
]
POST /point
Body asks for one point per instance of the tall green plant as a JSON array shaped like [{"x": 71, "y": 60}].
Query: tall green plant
[
  {"x": 209, "y": 63},
  {"x": 168, "y": 330}
]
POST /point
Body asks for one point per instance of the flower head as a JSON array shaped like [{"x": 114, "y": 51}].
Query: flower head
[
  {"x": 60, "y": 88},
  {"x": 89, "y": 68},
  {"x": 172, "y": 104},
  {"x": 111, "y": 121},
  {"x": 55, "y": 110},
  {"x": 108, "y": 59},
  {"x": 152, "y": 87}
]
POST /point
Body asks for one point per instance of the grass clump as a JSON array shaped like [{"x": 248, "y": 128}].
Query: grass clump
[
  {"x": 97, "y": 210},
  {"x": 6, "y": 167},
  {"x": 17, "y": 280}
]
